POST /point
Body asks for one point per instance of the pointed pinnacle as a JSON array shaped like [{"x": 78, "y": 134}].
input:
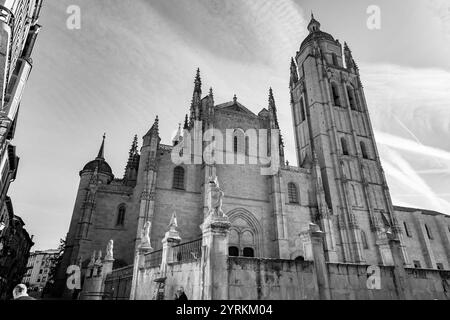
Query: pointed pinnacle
[
  {"x": 198, "y": 81},
  {"x": 101, "y": 152},
  {"x": 186, "y": 122},
  {"x": 173, "y": 220}
]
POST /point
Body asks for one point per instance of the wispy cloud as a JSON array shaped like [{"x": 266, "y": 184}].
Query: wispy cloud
[{"x": 134, "y": 59}]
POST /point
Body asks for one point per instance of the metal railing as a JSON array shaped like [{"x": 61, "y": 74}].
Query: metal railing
[
  {"x": 118, "y": 284},
  {"x": 153, "y": 260},
  {"x": 188, "y": 252}
]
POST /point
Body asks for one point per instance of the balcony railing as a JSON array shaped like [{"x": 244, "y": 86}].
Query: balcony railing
[
  {"x": 153, "y": 260},
  {"x": 188, "y": 252}
]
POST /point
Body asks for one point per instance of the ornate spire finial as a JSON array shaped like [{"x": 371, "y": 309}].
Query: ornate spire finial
[
  {"x": 235, "y": 98},
  {"x": 186, "y": 123},
  {"x": 313, "y": 25},
  {"x": 198, "y": 82},
  {"x": 273, "y": 110},
  {"x": 101, "y": 152},
  {"x": 211, "y": 93},
  {"x": 154, "y": 130}
]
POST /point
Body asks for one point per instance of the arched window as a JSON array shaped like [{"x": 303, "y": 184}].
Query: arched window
[
  {"x": 249, "y": 253},
  {"x": 364, "y": 240},
  {"x": 407, "y": 230},
  {"x": 344, "y": 147},
  {"x": 292, "y": 193},
  {"x": 429, "y": 234},
  {"x": 247, "y": 146},
  {"x": 302, "y": 111},
  {"x": 352, "y": 98},
  {"x": 233, "y": 251},
  {"x": 239, "y": 141},
  {"x": 335, "y": 60},
  {"x": 178, "y": 178},
  {"x": 336, "y": 95},
  {"x": 364, "y": 150},
  {"x": 241, "y": 242},
  {"x": 121, "y": 215}
]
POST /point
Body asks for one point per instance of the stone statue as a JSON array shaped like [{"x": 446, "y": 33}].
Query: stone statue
[
  {"x": 99, "y": 258},
  {"x": 145, "y": 236},
  {"x": 215, "y": 198},
  {"x": 173, "y": 225},
  {"x": 92, "y": 262},
  {"x": 109, "y": 251}
]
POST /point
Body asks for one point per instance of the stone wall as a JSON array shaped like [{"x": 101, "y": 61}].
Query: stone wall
[
  {"x": 429, "y": 284},
  {"x": 268, "y": 279},
  {"x": 186, "y": 275},
  {"x": 349, "y": 282}
]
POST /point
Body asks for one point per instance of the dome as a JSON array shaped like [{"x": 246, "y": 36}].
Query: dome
[
  {"x": 318, "y": 35},
  {"x": 102, "y": 165},
  {"x": 315, "y": 33},
  {"x": 99, "y": 162}
]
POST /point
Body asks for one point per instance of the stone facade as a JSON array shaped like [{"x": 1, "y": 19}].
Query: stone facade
[{"x": 338, "y": 184}]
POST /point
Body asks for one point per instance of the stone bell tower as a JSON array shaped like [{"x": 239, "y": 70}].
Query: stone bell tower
[{"x": 334, "y": 134}]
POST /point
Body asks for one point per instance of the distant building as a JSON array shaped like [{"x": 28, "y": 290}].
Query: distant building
[
  {"x": 18, "y": 33},
  {"x": 38, "y": 269},
  {"x": 15, "y": 248}
]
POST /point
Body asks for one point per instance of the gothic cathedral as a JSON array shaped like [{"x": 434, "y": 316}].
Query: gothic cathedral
[{"x": 338, "y": 183}]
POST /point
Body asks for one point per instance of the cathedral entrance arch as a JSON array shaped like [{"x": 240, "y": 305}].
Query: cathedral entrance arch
[{"x": 245, "y": 234}]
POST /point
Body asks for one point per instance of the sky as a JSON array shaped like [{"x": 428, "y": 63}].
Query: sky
[{"x": 134, "y": 59}]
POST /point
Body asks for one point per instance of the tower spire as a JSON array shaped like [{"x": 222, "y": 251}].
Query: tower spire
[
  {"x": 198, "y": 82},
  {"x": 178, "y": 136},
  {"x": 186, "y": 123},
  {"x": 101, "y": 152},
  {"x": 349, "y": 61},
  {"x": 273, "y": 110},
  {"x": 313, "y": 25},
  {"x": 133, "y": 163},
  {"x": 196, "y": 99},
  {"x": 134, "y": 148},
  {"x": 154, "y": 130},
  {"x": 294, "y": 74}
]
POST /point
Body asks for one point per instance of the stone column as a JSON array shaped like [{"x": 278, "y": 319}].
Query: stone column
[
  {"x": 214, "y": 263},
  {"x": 171, "y": 239},
  {"x": 139, "y": 259},
  {"x": 320, "y": 266},
  {"x": 400, "y": 276}
]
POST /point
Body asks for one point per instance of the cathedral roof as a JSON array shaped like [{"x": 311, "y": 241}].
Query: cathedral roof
[
  {"x": 235, "y": 106},
  {"x": 318, "y": 35}
]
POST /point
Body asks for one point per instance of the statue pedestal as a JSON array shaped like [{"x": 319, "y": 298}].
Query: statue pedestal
[{"x": 215, "y": 258}]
